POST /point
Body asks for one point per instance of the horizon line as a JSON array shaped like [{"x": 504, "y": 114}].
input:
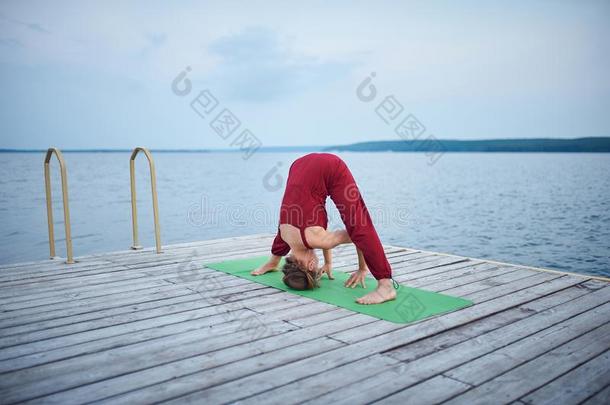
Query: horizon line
[{"x": 280, "y": 147}]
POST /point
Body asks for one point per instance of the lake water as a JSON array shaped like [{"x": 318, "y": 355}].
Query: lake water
[{"x": 546, "y": 210}]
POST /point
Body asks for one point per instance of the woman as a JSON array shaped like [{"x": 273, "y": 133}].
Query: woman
[{"x": 303, "y": 223}]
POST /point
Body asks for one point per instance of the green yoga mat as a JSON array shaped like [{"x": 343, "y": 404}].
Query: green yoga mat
[{"x": 411, "y": 304}]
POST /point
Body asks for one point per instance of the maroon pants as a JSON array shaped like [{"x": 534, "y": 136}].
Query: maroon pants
[{"x": 344, "y": 192}]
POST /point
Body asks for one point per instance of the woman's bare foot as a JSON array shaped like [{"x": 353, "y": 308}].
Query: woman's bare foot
[
  {"x": 384, "y": 292},
  {"x": 271, "y": 265}
]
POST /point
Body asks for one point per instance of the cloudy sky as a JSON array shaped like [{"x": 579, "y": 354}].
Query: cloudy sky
[{"x": 99, "y": 74}]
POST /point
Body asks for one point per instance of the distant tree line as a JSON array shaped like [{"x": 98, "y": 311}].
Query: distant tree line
[{"x": 601, "y": 144}]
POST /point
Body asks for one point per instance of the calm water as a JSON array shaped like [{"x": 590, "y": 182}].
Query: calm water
[{"x": 548, "y": 210}]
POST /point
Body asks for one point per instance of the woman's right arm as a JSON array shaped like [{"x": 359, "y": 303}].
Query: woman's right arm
[{"x": 331, "y": 239}]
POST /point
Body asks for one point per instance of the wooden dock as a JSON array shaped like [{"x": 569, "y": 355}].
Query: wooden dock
[{"x": 140, "y": 327}]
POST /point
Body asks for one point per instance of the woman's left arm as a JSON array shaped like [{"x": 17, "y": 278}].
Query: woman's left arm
[
  {"x": 328, "y": 257},
  {"x": 328, "y": 263}
]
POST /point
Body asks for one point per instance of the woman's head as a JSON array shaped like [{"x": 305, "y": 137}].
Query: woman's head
[{"x": 301, "y": 275}]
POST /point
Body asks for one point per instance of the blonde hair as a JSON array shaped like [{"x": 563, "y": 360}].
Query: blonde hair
[{"x": 296, "y": 276}]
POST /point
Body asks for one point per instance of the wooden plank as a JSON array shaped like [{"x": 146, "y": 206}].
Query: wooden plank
[
  {"x": 470, "y": 330},
  {"x": 82, "y": 305},
  {"x": 398, "y": 259},
  {"x": 328, "y": 378},
  {"x": 60, "y": 319},
  {"x": 63, "y": 298},
  {"x": 538, "y": 269},
  {"x": 299, "y": 311},
  {"x": 299, "y": 390},
  {"x": 126, "y": 279},
  {"x": 210, "y": 370},
  {"x": 76, "y": 298},
  {"x": 471, "y": 288},
  {"x": 278, "y": 376},
  {"x": 48, "y": 282},
  {"x": 326, "y": 316},
  {"x": 212, "y": 295},
  {"x": 133, "y": 260},
  {"x": 229, "y": 321},
  {"x": 149, "y": 255},
  {"x": 134, "y": 313},
  {"x": 17, "y": 308},
  {"x": 513, "y": 286},
  {"x": 41, "y": 266},
  {"x": 466, "y": 279},
  {"x": 186, "y": 308},
  {"x": 499, "y": 361},
  {"x": 443, "y": 271},
  {"x": 116, "y": 304},
  {"x": 601, "y": 398},
  {"x": 533, "y": 374},
  {"x": 65, "y": 346},
  {"x": 575, "y": 386},
  {"x": 432, "y": 391},
  {"x": 20, "y": 348},
  {"x": 50, "y": 378},
  {"x": 121, "y": 257},
  {"x": 473, "y": 269},
  {"x": 144, "y": 364},
  {"x": 86, "y": 305},
  {"x": 441, "y": 359},
  {"x": 409, "y": 272},
  {"x": 47, "y": 299},
  {"x": 16, "y": 266},
  {"x": 114, "y": 270}
]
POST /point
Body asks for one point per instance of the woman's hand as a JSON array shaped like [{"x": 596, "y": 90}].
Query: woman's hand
[
  {"x": 327, "y": 268},
  {"x": 356, "y": 278}
]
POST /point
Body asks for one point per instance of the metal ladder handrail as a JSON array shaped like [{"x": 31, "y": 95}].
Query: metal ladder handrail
[
  {"x": 134, "y": 210},
  {"x": 64, "y": 192}
]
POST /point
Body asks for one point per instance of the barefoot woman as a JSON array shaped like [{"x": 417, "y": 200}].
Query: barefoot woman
[{"x": 303, "y": 223}]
